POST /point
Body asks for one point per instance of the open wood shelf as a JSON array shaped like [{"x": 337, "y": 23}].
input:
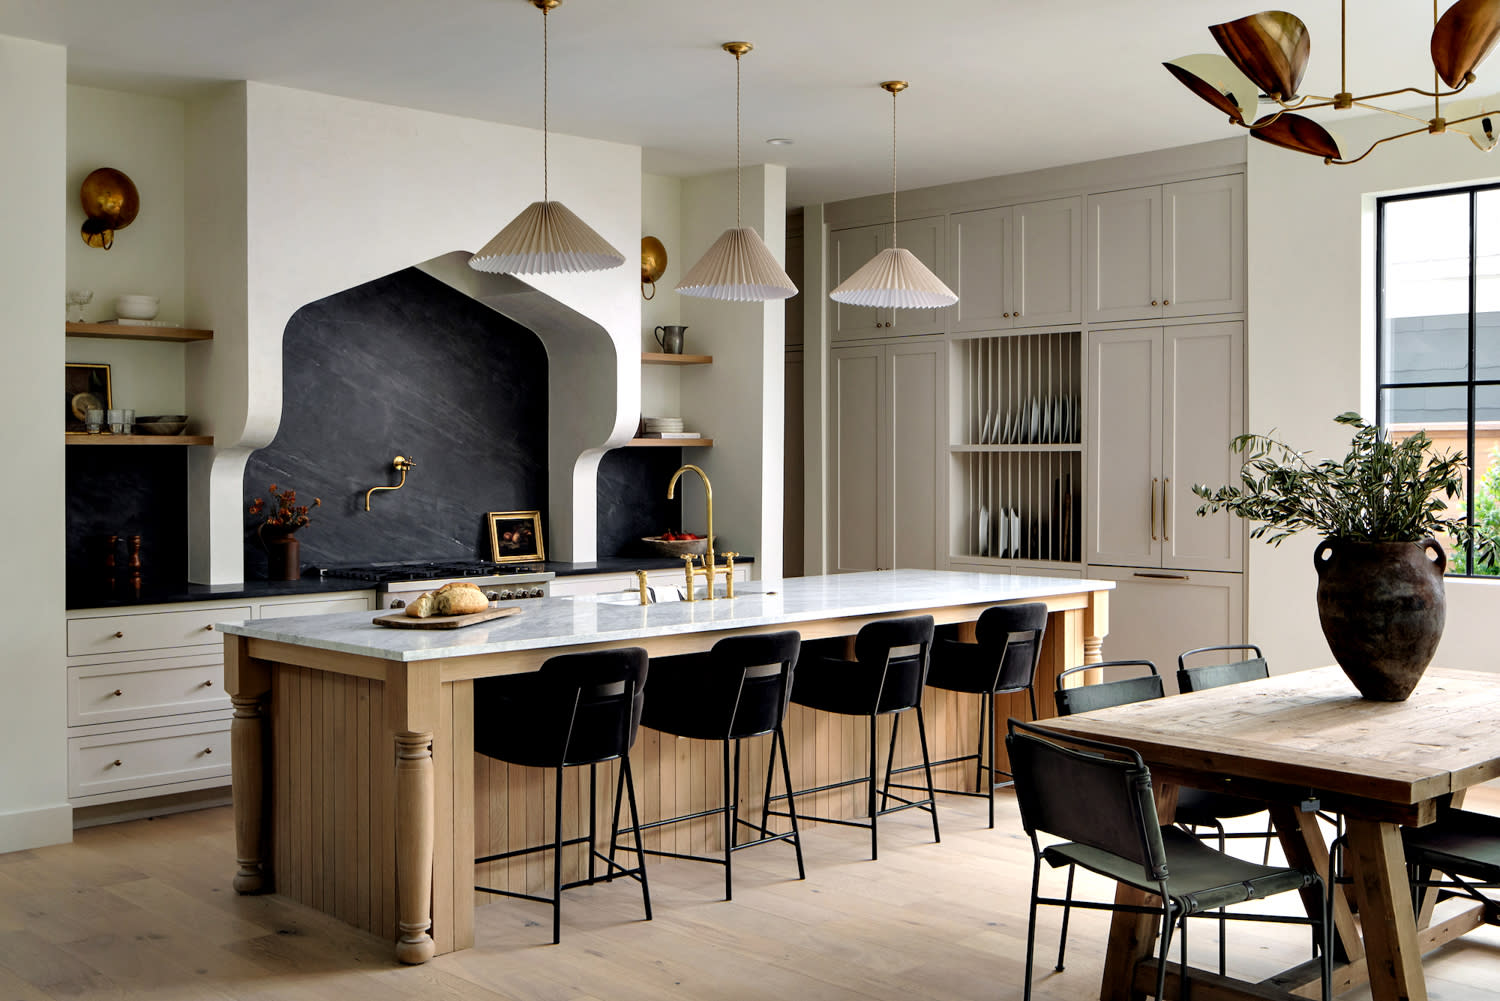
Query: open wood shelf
[
  {"x": 670, "y": 443},
  {"x": 140, "y": 439},
  {"x": 129, "y": 332},
  {"x": 658, "y": 358}
]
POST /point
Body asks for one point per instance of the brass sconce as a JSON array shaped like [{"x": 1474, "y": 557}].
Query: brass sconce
[
  {"x": 653, "y": 264},
  {"x": 401, "y": 463},
  {"x": 110, "y": 202}
]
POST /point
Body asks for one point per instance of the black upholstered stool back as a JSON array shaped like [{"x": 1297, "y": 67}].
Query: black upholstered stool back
[
  {"x": 1013, "y": 634},
  {"x": 740, "y": 688},
  {"x": 898, "y": 649}
]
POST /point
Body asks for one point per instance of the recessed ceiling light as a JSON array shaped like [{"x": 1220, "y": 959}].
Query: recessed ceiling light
[{"x": 778, "y": 142}]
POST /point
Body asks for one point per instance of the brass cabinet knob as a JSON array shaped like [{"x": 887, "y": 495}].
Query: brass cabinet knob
[
  {"x": 208, "y": 750},
  {"x": 209, "y": 683},
  {"x": 1166, "y": 302},
  {"x": 119, "y": 635},
  {"x": 209, "y": 628},
  {"x": 1154, "y": 302},
  {"x": 1006, "y": 315},
  {"x": 117, "y": 692},
  {"x": 116, "y": 763}
]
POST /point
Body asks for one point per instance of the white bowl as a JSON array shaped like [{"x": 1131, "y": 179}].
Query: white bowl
[{"x": 137, "y": 307}]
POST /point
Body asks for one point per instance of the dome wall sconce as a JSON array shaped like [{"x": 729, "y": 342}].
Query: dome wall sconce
[
  {"x": 653, "y": 264},
  {"x": 110, "y": 202}
]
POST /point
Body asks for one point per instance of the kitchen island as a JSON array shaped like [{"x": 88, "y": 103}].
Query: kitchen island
[{"x": 356, "y": 786}]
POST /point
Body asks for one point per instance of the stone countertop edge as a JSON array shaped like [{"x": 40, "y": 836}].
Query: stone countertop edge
[
  {"x": 184, "y": 592},
  {"x": 612, "y": 618}
]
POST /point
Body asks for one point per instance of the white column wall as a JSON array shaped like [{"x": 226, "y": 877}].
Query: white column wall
[
  {"x": 738, "y": 399},
  {"x": 339, "y": 192},
  {"x": 1311, "y": 350},
  {"x": 33, "y": 161}
]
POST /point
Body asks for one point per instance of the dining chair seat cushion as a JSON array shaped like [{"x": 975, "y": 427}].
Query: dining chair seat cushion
[
  {"x": 1458, "y": 842},
  {"x": 1199, "y": 878},
  {"x": 1202, "y": 807}
]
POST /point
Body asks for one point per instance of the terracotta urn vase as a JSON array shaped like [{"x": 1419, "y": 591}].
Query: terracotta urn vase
[{"x": 1382, "y": 607}]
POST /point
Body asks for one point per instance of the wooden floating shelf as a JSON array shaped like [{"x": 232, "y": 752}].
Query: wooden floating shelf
[
  {"x": 1057, "y": 447},
  {"x": 658, "y": 358},
  {"x": 130, "y": 332},
  {"x": 670, "y": 443},
  {"x": 140, "y": 439}
]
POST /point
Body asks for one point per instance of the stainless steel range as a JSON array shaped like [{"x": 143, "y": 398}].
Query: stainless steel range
[{"x": 398, "y": 583}]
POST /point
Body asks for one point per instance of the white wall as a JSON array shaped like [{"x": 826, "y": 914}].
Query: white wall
[
  {"x": 144, "y": 137},
  {"x": 737, "y": 400},
  {"x": 338, "y": 192},
  {"x": 1311, "y": 353},
  {"x": 661, "y": 217},
  {"x": 33, "y": 115}
]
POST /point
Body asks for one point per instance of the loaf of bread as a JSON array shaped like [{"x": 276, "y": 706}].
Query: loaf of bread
[
  {"x": 422, "y": 607},
  {"x": 460, "y": 598}
]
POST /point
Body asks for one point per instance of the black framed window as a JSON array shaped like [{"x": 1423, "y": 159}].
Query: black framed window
[{"x": 1437, "y": 355}]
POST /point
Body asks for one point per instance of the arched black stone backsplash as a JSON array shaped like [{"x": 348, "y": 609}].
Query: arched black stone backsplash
[{"x": 404, "y": 365}]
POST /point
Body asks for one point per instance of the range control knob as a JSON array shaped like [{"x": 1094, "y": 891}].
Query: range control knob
[
  {"x": 397, "y": 603},
  {"x": 507, "y": 595},
  {"x": 491, "y": 596},
  {"x": 538, "y": 592}
]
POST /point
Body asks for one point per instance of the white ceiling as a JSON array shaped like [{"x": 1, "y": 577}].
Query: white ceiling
[{"x": 998, "y": 86}]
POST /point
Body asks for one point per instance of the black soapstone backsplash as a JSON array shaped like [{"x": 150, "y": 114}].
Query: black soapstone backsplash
[
  {"x": 125, "y": 491},
  {"x": 633, "y": 498}
]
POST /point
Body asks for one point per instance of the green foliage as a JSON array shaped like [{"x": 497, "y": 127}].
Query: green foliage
[
  {"x": 1382, "y": 491},
  {"x": 1486, "y": 515}
]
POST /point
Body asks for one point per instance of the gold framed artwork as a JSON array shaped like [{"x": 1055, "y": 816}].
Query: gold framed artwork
[
  {"x": 86, "y": 387},
  {"x": 516, "y": 536}
]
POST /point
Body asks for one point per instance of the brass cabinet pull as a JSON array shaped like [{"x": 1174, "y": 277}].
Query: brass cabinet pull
[
  {"x": 1166, "y": 488},
  {"x": 209, "y": 628},
  {"x": 208, "y": 750},
  {"x": 1154, "y": 482},
  {"x": 117, "y": 692},
  {"x": 1166, "y": 302},
  {"x": 1162, "y": 576},
  {"x": 209, "y": 683},
  {"x": 119, "y": 635},
  {"x": 1153, "y": 302},
  {"x": 116, "y": 763}
]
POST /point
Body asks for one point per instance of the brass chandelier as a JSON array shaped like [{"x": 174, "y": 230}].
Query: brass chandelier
[{"x": 1266, "y": 54}]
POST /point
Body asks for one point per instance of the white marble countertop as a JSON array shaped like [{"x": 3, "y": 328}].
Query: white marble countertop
[{"x": 595, "y": 618}]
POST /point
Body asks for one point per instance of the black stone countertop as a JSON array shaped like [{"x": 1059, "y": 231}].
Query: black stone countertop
[{"x": 182, "y": 591}]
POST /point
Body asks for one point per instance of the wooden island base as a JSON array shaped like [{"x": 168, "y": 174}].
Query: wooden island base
[{"x": 357, "y": 790}]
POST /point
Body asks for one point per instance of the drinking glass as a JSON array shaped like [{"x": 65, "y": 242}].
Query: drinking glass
[
  {"x": 116, "y": 419},
  {"x": 93, "y": 421}
]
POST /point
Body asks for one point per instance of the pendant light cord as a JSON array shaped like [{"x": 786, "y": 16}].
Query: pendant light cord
[
  {"x": 893, "y": 170},
  {"x": 738, "y": 220},
  {"x": 546, "y": 191}
]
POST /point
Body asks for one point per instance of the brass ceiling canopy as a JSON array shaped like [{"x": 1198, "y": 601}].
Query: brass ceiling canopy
[
  {"x": 110, "y": 202},
  {"x": 1266, "y": 54},
  {"x": 653, "y": 264}
]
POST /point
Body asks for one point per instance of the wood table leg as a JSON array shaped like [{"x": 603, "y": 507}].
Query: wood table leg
[
  {"x": 1430, "y": 895},
  {"x": 1132, "y": 937},
  {"x": 1376, "y": 863},
  {"x": 248, "y": 682},
  {"x": 415, "y": 819}
]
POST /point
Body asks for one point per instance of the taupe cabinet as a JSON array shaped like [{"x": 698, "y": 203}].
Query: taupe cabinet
[
  {"x": 1166, "y": 250},
  {"x": 886, "y": 467},
  {"x": 1157, "y": 614},
  {"x": 1163, "y": 404},
  {"x": 851, "y": 249},
  {"x": 1017, "y": 266}
]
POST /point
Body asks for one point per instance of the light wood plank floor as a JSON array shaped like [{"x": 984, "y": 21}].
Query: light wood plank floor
[{"x": 144, "y": 910}]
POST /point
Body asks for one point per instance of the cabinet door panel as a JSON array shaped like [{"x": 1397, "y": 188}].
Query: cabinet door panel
[
  {"x": 792, "y": 516},
  {"x": 850, "y": 250},
  {"x": 1203, "y": 410},
  {"x": 1046, "y": 262},
  {"x": 980, "y": 260},
  {"x": 1124, "y": 448},
  {"x": 854, "y": 457},
  {"x": 1203, "y": 246},
  {"x": 927, "y": 239},
  {"x": 1122, "y": 276},
  {"x": 1155, "y": 615},
  {"x": 914, "y": 426}
]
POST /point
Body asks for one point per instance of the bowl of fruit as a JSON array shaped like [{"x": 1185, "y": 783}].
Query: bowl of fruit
[{"x": 674, "y": 543}]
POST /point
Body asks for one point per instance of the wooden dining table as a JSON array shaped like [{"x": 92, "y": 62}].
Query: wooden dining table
[{"x": 1305, "y": 742}]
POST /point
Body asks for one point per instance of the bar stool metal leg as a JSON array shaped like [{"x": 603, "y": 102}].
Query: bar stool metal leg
[
  {"x": 927, "y": 770},
  {"x": 557, "y": 840},
  {"x": 874, "y": 814},
  {"x": 635, "y": 820},
  {"x": 791, "y": 803}
]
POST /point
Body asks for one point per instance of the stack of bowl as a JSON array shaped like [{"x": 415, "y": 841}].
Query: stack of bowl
[{"x": 161, "y": 424}]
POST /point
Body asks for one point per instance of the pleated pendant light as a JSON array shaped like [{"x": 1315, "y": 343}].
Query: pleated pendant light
[
  {"x": 739, "y": 266},
  {"x": 547, "y": 237},
  {"x": 894, "y": 278}
]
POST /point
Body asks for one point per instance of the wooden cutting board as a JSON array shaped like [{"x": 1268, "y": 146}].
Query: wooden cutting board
[{"x": 401, "y": 620}]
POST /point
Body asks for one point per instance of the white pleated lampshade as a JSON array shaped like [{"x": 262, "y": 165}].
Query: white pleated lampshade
[
  {"x": 894, "y": 278},
  {"x": 738, "y": 267},
  {"x": 546, "y": 238}
]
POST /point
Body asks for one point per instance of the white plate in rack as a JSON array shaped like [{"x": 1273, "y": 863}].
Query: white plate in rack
[{"x": 984, "y": 531}]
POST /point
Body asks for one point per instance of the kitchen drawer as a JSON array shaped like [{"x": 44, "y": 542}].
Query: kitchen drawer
[
  {"x": 149, "y": 630},
  {"x": 320, "y": 606},
  {"x": 140, "y": 759},
  {"x": 105, "y": 693}
]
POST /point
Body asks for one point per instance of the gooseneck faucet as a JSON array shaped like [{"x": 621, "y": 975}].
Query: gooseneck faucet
[
  {"x": 708, "y": 489},
  {"x": 710, "y": 568}
]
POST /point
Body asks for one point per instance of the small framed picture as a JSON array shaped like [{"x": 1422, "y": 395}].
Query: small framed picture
[
  {"x": 86, "y": 388},
  {"x": 516, "y": 536}
]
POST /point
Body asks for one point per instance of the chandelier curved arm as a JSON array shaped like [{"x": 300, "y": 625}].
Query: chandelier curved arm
[
  {"x": 1373, "y": 146},
  {"x": 1435, "y": 94},
  {"x": 1391, "y": 111}
]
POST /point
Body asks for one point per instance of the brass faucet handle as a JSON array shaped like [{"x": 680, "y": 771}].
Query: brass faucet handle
[
  {"x": 729, "y": 556},
  {"x": 640, "y": 576},
  {"x": 687, "y": 559}
]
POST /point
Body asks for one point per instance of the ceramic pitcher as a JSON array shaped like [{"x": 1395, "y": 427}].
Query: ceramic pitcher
[{"x": 672, "y": 342}]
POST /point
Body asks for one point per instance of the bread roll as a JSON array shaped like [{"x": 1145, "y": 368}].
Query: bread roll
[
  {"x": 460, "y": 598},
  {"x": 422, "y": 607}
]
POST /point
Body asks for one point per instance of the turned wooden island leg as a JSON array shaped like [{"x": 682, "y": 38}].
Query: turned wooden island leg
[
  {"x": 248, "y": 682},
  {"x": 414, "y": 846},
  {"x": 1095, "y": 628}
]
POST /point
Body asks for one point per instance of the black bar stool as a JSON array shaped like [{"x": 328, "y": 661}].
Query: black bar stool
[
  {"x": 1002, "y": 661},
  {"x": 884, "y": 679},
  {"x": 738, "y": 689},
  {"x": 578, "y": 709}
]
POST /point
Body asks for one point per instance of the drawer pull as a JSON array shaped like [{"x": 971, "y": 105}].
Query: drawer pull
[
  {"x": 119, "y": 635},
  {"x": 209, "y": 628},
  {"x": 116, "y": 763},
  {"x": 208, "y": 750},
  {"x": 117, "y": 692},
  {"x": 1162, "y": 576},
  {"x": 209, "y": 683}
]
